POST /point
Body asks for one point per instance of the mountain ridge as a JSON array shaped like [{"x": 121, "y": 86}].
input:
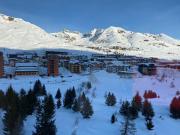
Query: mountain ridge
[{"x": 19, "y": 34}]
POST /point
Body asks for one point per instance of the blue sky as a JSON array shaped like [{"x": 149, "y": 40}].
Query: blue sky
[{"x": 152, "y": 16}]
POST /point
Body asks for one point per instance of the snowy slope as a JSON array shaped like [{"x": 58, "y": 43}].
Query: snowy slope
[
  {"x": 116, "y": 39},
  {"x": 99, "y": 124},
  {"x": 18, "y": 34}
]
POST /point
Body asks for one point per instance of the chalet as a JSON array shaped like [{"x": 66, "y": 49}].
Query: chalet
[{"x": 26, "y": 69}]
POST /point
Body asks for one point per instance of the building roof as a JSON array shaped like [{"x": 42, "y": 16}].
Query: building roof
[
  {"x": 27, "y": 64},
  {"x": 25, "y": 67}
]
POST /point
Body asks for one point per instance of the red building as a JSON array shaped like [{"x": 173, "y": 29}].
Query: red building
[
  {"x": 53, "y": 65},
  {"x": 1, "y": 65}
]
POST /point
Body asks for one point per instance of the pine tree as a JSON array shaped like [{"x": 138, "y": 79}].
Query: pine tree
[
  {"x": 76, "y": 106},
  {"x": 58, "y": 94},
  {"x": 133, "y": 110},
  {"x": 124, "y": 110},
  {"x": 13, "y": 121},
  {"x": 149, "y": 124},
  {"x": 113, "y": 119},
  {"x": 38, "y": 125},
  {"x": 111, "y": 99},
  {"x": 147, "y": 109},
  {"x": 138, "y": 100},
  {"x": 37, "y": 88},
  {"x": 87, "y": 110},
  {"x": 11, "y": 97},
  {"x": 89, "y": 85},
  {"x": 31, "y": 102},
  {"x": 69, "y": 97},
  {"x": 81, "y": 98},
  {"x": 175, "y": 107},
  {"x": 23, "y": 103},
  {"x": 43, "y": 91},
  {"x": 58, "y": 103},
  {"x": 2, "y": 100},
  {"x": 128, "y": 127},
  {"x": 45, "y": 124}
]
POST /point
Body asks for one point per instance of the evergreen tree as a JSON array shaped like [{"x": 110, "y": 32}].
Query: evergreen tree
[
  {"x": 43, "y": 92},
  {"x": 69, "y": 97},
  {"x": 89, "y": 85},
  {"x": 23, "y": 103},
  {"x": 133, "y": 110},
  {"x": 147, "y": 109},
  {"x": 12, "y": 120},
  {"x": 138, "y": 100},
  {"x": 2, "y": 100},
  {"x": 149, "y": 124},
  {"x": 76, "y": 106},
  {"x": 175, "y": 107},
  {"x": 128, "y": 127},
  {"x": 124, "y": 110},
  {"x": 113, "y": 119},
  {"x": 58, "y": 103},
  {"x": 81, "y": 98},
  {"x": 73, "y": 93},
  {"x": 87, "y": 110},
  {"x": 38, "y": 125},
  {"x": 58, "y": 94},
  {"x": 45, "y": 124},
  {"x": 37, "y": 88},
  {"x": 31, "y": 102},
  {"x": 111, "y": 99},
  {"x": 11, "y": 97}
]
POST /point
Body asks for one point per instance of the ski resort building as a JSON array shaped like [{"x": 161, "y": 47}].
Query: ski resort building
[
  {"x": 53, "y": 65},
  {"x": 75, "y": 66},
  {"x": 26, "y": 69}
]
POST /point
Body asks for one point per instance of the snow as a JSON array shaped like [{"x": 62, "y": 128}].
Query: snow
[
  {"x": 67, "y": 121},
  {"x": 19, "y": 34}
]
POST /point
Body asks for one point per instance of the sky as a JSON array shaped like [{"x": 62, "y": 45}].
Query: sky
[{"x": 147, "y": 16}]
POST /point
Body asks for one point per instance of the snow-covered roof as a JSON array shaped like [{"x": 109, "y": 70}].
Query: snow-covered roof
[{"x": 27, "y": 64}]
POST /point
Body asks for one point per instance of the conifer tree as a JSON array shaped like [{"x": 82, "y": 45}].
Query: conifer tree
[
  {"x": 133, "y": 110},
  {"x": 111, "y": 99},
  {"x": 147, "y": 110},
  {"x": 2, "y": 100},
  {"x": 43, "y": 91},
  {"x": 128, "y": 127},
  {"x": 31, "y": 102},
  {"x": 23, "y": 103},
  {"x": 149, "y": 124},
  {"x": 87, "y": 110},
  {"x": 69, "y": 97},
  {"x": 12, "y": 119},
  {"x": 113, "y": 119},
  {"x": 58, "y": 94},
  {"x": 175, "y": 107},
  {"x": 124, "y": 110},
  {"x": 138, "y": 100},
  {"x": 38, "y": 125},
  {"x": 45, "y": 124},
  {"x": 37, "y": 88},
  {"x": 76, "y": 106},
  {"x": 58, "y": 104}
]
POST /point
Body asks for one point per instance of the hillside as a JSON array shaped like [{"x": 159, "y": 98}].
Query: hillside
[{"x": 16, "y": 33}]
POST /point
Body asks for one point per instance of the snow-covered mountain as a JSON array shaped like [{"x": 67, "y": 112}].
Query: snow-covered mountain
[{"x": 18, "y": 34}]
